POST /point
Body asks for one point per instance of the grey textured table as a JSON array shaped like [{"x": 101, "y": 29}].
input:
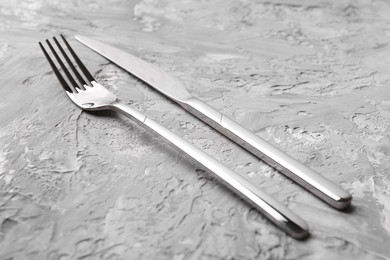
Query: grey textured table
[{"x": 311, "y": 77}]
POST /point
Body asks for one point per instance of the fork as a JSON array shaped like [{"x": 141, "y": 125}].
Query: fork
[{"x": 89, "y": 95}]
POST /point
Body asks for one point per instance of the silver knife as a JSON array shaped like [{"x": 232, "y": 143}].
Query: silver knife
[{"x": 174, "y": 89}]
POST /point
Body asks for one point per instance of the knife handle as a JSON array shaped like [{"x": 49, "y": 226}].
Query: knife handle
[
  {"x": 271, "y": 208},
  {"x": 309, "y": 179}
]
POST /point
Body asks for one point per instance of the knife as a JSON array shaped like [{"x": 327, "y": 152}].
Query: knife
[{"x": 171, "y": 87}]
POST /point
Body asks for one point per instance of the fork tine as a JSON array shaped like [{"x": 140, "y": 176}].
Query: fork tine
[
  {"x": 56, "y": 71},
  {"x": 78, "y": 61},
  {"x": 66, "y": 71},
  {"x": 73, "y": 68}
]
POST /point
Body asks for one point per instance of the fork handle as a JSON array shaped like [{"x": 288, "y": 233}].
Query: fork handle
[
  {"x": 309, "y": 179},
  {"x": 271, "y": 208}
]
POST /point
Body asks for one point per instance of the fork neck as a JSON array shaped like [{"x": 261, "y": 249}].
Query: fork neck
[{"x": 128, "y": 112}]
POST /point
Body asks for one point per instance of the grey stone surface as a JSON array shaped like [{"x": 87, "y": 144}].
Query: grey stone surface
[{"x": 312, "y": 77}]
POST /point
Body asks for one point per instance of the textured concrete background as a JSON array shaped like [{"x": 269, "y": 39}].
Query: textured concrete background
[{"x": 312, "y": 77}]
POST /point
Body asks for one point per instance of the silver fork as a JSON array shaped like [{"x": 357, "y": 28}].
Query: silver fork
[{"x": 89, "y": 95}]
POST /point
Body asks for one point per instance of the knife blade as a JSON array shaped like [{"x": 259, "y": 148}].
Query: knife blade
[{"x": 171, "y": 87}]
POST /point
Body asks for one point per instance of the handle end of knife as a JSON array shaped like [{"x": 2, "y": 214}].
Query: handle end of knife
[{"x": 343, "y": 202}]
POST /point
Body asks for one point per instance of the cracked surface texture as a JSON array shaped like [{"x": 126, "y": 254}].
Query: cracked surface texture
[{"x": 311, "y": 77}]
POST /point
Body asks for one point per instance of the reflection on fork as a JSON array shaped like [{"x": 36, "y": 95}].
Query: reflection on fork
[{"x": 89, "y": 95}]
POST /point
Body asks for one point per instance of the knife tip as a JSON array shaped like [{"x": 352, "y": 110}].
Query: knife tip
[{"x": 79, "y": 37}]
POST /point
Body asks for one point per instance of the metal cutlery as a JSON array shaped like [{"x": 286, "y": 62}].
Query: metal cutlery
[
  {"x": 174, "y": 89},
  {"x": 89, "y": 95}
]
